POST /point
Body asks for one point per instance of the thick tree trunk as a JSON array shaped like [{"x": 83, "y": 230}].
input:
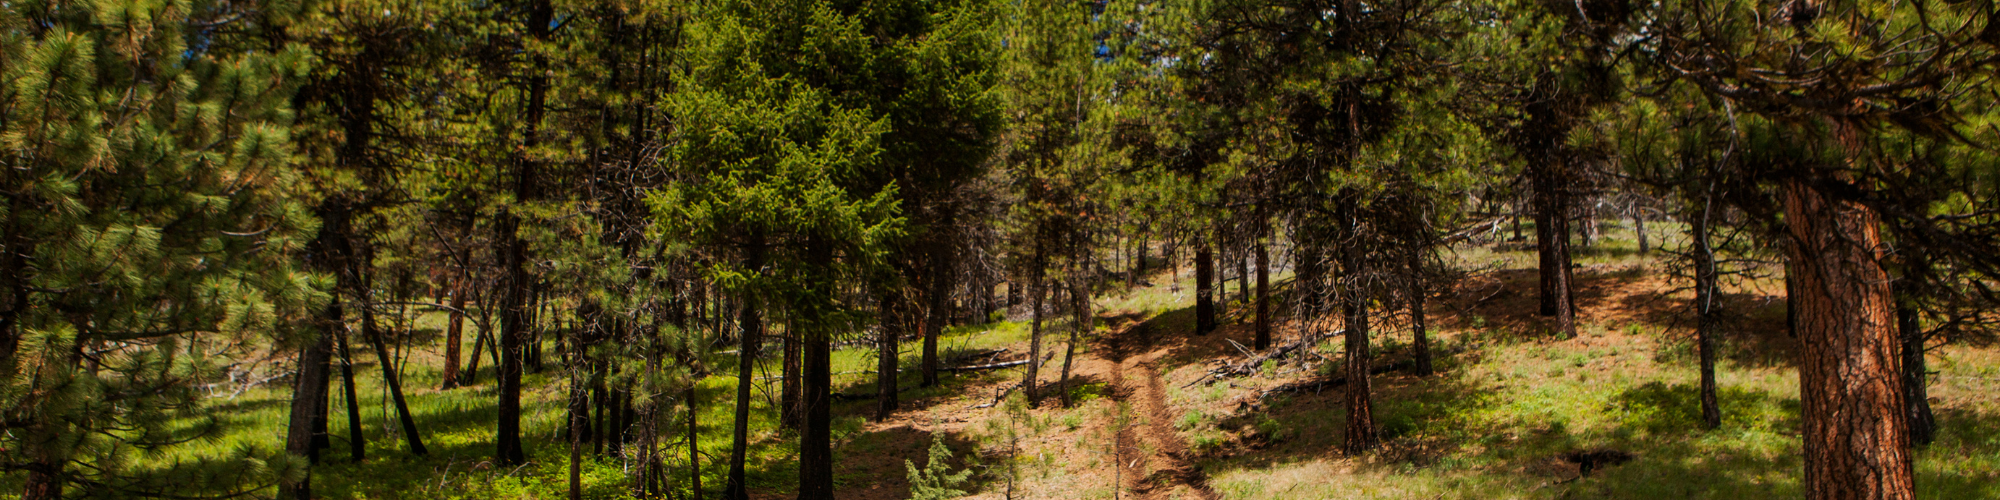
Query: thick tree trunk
[
  {"x": 515, "y": 304},
  {"x": 1705, "y": 290},
  {"x": 1263, "y": 340},
  {"x": 1204, "y": 288},
  {"x": 941, "y": 285},
  {"x": 1856, "y": 438},
  {"x": 788, "y": 389},
  {"x": 816, "y": 436},
  {"x": 750, "y": 334},
  {"x": 513, "y": 330},
  {"x": 1558, "y": 298},
  {"x": 303, "y": 435},
  {"x": 1360, "y": 431}
]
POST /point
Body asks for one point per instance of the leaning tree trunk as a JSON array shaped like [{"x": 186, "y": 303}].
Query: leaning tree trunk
[
  {"x": 357, "y": 442},
  {"x": 1705, "y": 290},
  {"x": 409, "y": 423},
  {"x": 1856, "y": 439}
]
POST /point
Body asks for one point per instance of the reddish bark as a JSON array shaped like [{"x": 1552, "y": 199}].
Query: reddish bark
[{"x": 1856, "y": 444}]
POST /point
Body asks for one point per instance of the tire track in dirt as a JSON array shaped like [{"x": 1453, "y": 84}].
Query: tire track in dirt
[{"x": 1149, "y": 442}]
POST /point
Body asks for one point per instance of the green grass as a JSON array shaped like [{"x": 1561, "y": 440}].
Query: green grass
[{"x": 457, "y": 428}]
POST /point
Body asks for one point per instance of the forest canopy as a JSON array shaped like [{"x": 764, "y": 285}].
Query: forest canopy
[{"x": 745, "y": 249}]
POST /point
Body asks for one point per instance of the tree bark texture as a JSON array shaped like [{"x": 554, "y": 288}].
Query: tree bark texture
[
  {"x": 1558, "y": 297},
  {"x": 816, "y": 436},
  {"x": 1204, "y": 288},
  {"x": 309, "y": 404},
  {"x": 1705, "y": 290},
  {"x": 1856, "y": 440},
  {"x": 1361, "y": 434}
]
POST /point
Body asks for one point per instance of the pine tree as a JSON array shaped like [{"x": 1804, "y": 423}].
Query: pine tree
[{"x": 148, "y": 234}]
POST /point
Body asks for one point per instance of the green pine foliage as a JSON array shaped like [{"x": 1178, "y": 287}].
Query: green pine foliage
[
  {"x": 150, "y": 232},
  {"x": 936, "y": 481}
]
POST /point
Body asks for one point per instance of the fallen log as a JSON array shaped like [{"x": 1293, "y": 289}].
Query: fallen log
[{"x": 993, "y": 366}]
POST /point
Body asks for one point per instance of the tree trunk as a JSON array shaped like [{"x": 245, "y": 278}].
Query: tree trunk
[
  {"x": 1204, "y": 288},
  {"x": 1639, "y": 229},
  {"x": 480, "y": 340},
  {"x": 357, "y": 444},
  {"x": 1361, "y": 433},
  {"x": 514, "y": 256},
  {"x": 886, "y": 352},
  {"x": 751, "y": 331},
  {"x": 1084, "y": 322},
  {"x": 788, "y": 392},
  {"x": 1034, "y": 337},
  {"x": 410, "y": 436},
  {"x": 942, "y": 257},
  {"x": 1419, "y": 329},
  {"x": 454, "y": 335},
  {"x": 304, "y": 434},
  {"x": 1263, "y": 340},
  {"x": 1856, "y": 439},
  {"x": 816, "y": 436},
  {"x": 1705, "y": 290},
  {"x": 1910, "y": 331},
  {"x": 1552, "y": 243}
]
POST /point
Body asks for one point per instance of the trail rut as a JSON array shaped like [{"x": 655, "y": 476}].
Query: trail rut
[{"x": 1154, "y": 460}]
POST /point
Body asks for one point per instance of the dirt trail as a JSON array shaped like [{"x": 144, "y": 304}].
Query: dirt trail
[{"x": 1148, "y": 442}]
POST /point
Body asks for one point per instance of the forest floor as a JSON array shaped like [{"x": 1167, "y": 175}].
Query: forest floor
[
  {"x": 1145, "y": 418},
  {"x": 1513, "y": 411}
]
